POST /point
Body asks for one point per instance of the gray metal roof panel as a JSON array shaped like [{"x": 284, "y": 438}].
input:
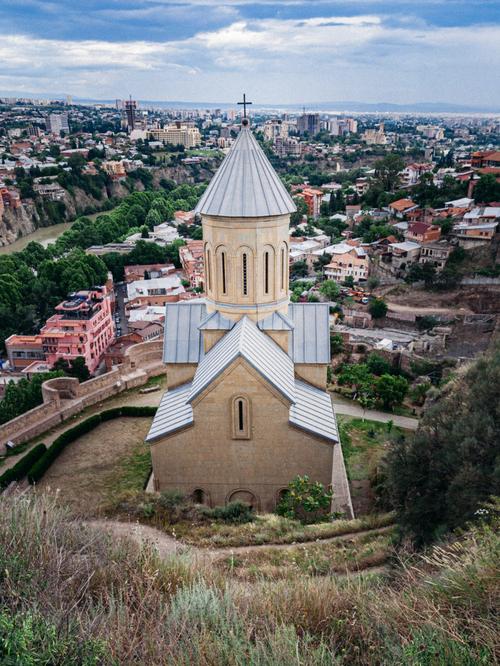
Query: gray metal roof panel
[
  {"x": 182, "y": 339},
  {"x": 310, "y": 341},
  {"x": 258, "y": 349},
  {"x": 313, "y": 412},
  {"x": 246, "y": 184},
  {"x": 276, "y": 321},
  {"x": 173, "y": 413},
  {"x": 216, "y": 321}
]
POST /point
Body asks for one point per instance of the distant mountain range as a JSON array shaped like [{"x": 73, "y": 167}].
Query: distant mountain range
[{"x": 334, "y": 107}]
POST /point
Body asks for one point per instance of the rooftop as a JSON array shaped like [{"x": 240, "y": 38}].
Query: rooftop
[{"x": 245, "y": 185}]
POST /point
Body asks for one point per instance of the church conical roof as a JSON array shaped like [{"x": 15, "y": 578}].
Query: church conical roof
[{"x": 245, "y": 185}]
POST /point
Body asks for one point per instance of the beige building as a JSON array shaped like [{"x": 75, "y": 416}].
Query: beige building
[
  {"x": 176, "y": 134},
  {"x": 246, "y": 408},
  {"x": 347, "y": 261}
]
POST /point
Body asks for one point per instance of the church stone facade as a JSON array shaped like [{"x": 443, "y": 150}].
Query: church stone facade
[{"x": 246, "y": 408}]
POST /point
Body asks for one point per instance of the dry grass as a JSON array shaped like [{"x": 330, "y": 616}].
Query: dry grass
[
  {"x": 355, "y": 553},
  {"x": 104, "y": 462},
  {"x": 107, "y": 601}
]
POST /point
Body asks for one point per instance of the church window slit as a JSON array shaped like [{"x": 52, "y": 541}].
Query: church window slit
[
  {"x": 266, "y": 272},
  {"x": 282, "y": 269},
  {"x": 241, "y": 418},
  {"x": 223, "y": 271},
  {"x": 245, "y": 274},
  {"x": 241, "y": 421},
  {"x": 209, "y": 269}
]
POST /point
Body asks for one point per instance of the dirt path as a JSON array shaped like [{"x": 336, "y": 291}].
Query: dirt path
[{"x": 167, "y": 545}]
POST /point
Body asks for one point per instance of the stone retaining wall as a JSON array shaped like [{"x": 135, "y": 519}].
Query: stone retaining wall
[{"x": 63, "y": 397}]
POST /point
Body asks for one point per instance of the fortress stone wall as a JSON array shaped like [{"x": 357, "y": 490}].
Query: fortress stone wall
[{"x": 63, "y": 397}]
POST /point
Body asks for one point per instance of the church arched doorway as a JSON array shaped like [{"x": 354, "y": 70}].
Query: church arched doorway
[{"x": 244, "y": 496}]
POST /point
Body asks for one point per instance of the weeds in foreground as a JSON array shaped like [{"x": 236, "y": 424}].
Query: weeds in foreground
[{"x": 76, "y": 596}]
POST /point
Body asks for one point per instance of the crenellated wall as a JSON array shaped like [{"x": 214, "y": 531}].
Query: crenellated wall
[{"x": 63, "y": 397}]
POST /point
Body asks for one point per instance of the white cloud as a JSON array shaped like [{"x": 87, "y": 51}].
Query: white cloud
[{"x": 362, "y": 57}]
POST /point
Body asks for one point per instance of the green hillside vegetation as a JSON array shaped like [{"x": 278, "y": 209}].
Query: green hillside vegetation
[
  {"x": 35, "y": 280},
  {"x": 438, "y": 479}
]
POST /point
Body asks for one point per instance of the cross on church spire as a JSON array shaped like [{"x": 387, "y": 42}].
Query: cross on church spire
[{"x": 244, "y": 103}]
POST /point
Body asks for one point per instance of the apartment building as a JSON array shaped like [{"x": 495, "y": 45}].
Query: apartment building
[
  {"x": 192, "y": 260},
  {"x": 82, "y": 326},
  {"x": 347, "y": 261},
  {"x": 176, "y": 134}
]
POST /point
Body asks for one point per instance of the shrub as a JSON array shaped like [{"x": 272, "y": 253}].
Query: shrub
[
  {"x": 234, "y": 512},
  {"x": 305, "y": 500},
  {"x": 21, "y": 468}
]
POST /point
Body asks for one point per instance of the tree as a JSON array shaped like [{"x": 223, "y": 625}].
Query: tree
[
  {"x": 336, "y": 344},
  {"x": 73, "y": 368},
  {"x": 358, "y": 377},
  {"x": 305, "y": 500},
  {"x": 299, "y": 269},
  {"x": 487, "y": 189},
  {"x": 349, "y": 281},
  {"x": 377, "y": 364},
  {"x": 438, "y": 478},
  {"x": 330, "y": 289},
  {"x": 298, "y": 215},
  {"x": 378, "y": 308},
  {"x": 391, "y": 390},
  {"x": 372, "y": 282},
  {"x": 387, "y": 171}
]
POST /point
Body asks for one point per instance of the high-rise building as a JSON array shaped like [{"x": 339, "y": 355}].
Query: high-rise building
[
  {"x": 57, "y": 123},
  {"x": 308, "y": 122},
  {"x": 130, "y": 109}
]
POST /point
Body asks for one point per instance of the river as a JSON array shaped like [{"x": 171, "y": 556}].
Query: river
[{"x": 43, "y": 235}]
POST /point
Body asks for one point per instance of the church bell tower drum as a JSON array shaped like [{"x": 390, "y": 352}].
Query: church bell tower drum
[{"x": 245, "y": 213}]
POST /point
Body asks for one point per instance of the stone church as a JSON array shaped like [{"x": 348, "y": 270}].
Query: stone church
[{"x": 246, "y": 408}]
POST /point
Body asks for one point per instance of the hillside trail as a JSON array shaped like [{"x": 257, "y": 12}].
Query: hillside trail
[{"x": 167, "y": 545}]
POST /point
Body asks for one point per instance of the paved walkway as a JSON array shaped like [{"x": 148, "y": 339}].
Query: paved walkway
[{"x": 352, "y": 409}]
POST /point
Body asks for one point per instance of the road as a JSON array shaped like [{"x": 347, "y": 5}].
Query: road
[
  {"x": 351, "y": 409},
  {"x": 421, "y": 312},
  {"x": 121, "y": 294}
]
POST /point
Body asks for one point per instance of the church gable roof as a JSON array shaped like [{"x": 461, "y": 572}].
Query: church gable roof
[
  {"x": 246, "y": 341},
  {"x": 246, "y": 184},
  {"x": 311, "y": 333},
  {"x": 183, "y": 342},
  {"x": 313, "y": 412},
  {"x": 216, "y": 321},
  {"x": 276, "y": 321},
  {"x": 174, "y": 413}
]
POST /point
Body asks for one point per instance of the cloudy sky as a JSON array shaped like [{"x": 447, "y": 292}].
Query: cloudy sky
[{"x": 280, "y": 51}]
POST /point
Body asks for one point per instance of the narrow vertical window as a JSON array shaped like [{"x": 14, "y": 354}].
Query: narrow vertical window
[
  {"x": 266, "y": 272},
  {"x": 241, "y": 422},
  {"x": 245, "y": 274},
  {"x": 282, "y": 269},
  {"x": 209, "y": 270},
  {"x": 223, "y": 271},
  {"x": 241, "y": 426}
]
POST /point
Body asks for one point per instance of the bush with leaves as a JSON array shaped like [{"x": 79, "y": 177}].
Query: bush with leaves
[
  {"x": 305, "y": 500},
  {"x": 440, "y": 477},
  {"x": 377, "y": 308}
]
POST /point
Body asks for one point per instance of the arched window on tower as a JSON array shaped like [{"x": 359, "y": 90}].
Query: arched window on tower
[
  {"x": 266, "y": 272},
  {"x": 241, "y": 418},
  {"x": 209, "y": 270},
  {"x": 282, "y": 268},
  {"x": 244, "y": 276}
]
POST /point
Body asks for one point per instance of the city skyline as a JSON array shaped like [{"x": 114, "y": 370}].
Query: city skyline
[{"x": 289, "y": 51}]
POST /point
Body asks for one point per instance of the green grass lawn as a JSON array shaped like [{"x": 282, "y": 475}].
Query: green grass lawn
[{"x": 364, "y": 443}]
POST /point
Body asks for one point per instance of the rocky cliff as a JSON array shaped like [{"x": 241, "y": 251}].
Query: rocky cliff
[{"x": 31, "y": 215}]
